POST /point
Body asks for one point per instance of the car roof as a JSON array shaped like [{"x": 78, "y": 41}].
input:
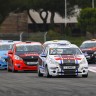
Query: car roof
[
  {"x": 62, "y": 46},
  {"x": 6, "y": 43},
  {"x": 56, "y": 41},
  {"x": 90, "y": 41},
  {"x": 6, "y": 40},
  {"x": 27, "y": 42}
]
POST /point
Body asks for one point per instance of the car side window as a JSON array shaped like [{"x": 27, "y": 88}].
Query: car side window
[
  {"x": 12, "y": 48},
  {"x": 45, "y": 52}
]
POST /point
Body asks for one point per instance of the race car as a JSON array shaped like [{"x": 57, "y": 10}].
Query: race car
[
  {"x": 58, "y": 60},
  {"x": 24, "y": 56},
  {"x": 89, "y": 49},
  {"x": 4, "y": 48}
]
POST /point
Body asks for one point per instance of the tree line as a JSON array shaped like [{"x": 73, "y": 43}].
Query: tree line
[{"x": 53, "y": 6}]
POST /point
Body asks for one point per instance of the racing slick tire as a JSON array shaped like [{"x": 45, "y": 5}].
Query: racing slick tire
[
  {"x": 47, "y": 72},
  {"x": 85, "y": 76}
]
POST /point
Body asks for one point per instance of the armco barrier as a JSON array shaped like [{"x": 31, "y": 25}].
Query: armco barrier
[{"x": 13, "y": 36}]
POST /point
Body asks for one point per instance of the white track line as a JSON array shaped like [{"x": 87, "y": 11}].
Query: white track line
[{"x": 92, "y": 69}]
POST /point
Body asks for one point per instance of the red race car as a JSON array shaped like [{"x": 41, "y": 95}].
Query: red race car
[{"x": 24, "y": 56}]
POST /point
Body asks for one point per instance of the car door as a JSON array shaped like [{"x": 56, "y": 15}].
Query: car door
[
  {"x": 42, "y": 60},
  {"x": 11, "y": 55}
]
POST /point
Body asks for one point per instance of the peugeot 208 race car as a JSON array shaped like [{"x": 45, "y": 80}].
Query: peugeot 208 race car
[
  {"x": 24, "y": 56},
  {"x": 4, "y": 48},
  {"x": 89, "y": 49},
  {"x": 60, "y": 59}
]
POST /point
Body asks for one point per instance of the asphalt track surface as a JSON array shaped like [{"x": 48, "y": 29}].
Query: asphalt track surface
[{"x": 29, "y": 84}]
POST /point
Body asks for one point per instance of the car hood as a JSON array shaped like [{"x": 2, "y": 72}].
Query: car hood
[
  {"x": 4, "y": 54},
  {"x": 26, "y": 54},
  {"x": 89, "y": 49},
  {"x": 67, "y": 58}
]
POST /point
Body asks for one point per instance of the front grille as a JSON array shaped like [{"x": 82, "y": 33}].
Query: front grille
[
  {"x": 69, "y": 64},
  {"x": 69, "y": 71},
  {"x": 29, "y": 59},
  {"x": 4, "y": 65},
  {"x": 88, "y": 52}
]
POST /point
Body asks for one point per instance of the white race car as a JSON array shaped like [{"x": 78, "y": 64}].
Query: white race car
[
  {"x": 89, "y": 50},
  {"x": 59, "y": 59}
]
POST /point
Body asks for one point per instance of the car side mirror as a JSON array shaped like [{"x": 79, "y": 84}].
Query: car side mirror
[
  {"x": 10, "y": 52},
  {"x": 43, "y": 55}
]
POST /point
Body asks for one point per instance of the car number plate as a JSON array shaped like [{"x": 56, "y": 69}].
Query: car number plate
[
  {"x": 69, "y": 67},
  {"x": 30, "y": 63}
]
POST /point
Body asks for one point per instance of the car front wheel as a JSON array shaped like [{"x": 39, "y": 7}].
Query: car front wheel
[
  {"x": 47, "y": 72},
  {"x": 39, "y": 73},
  {"x": 85, "y": 76}
]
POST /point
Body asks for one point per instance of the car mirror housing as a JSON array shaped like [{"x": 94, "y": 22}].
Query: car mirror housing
[
  {"x": 43, "y": 55},
  {"x": 10, "y": 52}
]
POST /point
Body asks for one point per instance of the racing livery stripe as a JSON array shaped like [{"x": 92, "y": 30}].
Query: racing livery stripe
[
  {"x": 69, "y": 59},
  {"x": 58, "y": 58},
  {"x": 76, "y": 68},
  {"x": 29, "y": 55},
  {"x": 61, "y": 63}
]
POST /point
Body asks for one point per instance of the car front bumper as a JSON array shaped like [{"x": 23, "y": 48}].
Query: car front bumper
[{"x": 79, "y": 71}]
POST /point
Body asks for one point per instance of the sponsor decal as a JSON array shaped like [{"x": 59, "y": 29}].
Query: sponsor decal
[
  {"x": 68, "y": 61},
  {"x": 34, "y": 54},
  {"x": 65, "y": 57},
  {"x": 92, "y": 48}
]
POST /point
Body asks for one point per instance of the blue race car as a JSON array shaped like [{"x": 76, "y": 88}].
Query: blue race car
[{"x": 4, "y": 48}]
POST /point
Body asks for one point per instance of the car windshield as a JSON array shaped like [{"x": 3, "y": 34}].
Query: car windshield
[
  {"x": 88, "y": 45},
  {"x": 29, "y": 48},
  {"x": 6, "y": 46},
  {"x": 64, "y": 51}
]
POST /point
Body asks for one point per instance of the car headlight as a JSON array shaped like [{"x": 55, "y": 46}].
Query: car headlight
[
  {"x": 95, "y": 52},
  {"x": 85, "y": 53},
  {"x": 53, "y": 62},
  {"x": 54, "y": 65},
  {"x": 17, "y": 57},
  {"x": 83, "y": 61}
]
